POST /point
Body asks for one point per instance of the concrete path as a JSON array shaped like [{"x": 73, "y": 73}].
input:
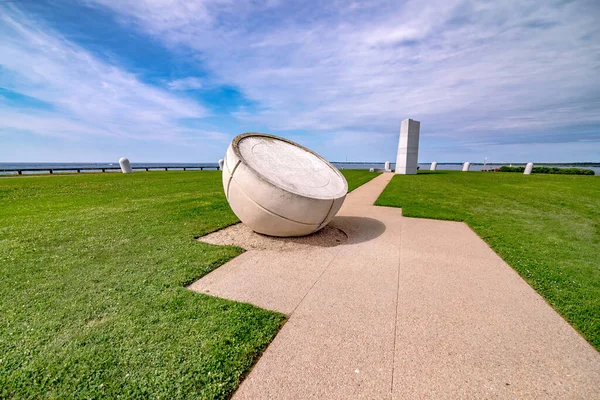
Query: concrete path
[{"x": 406, "y": 308}]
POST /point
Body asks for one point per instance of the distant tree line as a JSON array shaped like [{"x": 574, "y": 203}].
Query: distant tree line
[{"x": 549, "y": 170}]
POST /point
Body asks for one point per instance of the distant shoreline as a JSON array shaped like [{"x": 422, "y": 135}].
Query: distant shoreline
[
  {"x": 577, "y": 163},
  {"x": 114, "y": 166}
]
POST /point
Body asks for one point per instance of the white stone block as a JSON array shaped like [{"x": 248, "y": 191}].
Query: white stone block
[
  {"x": 371, "y": 169},
  {"x": 386, "y": 166},
  {"x": 280, "y": 188},
  {"x": 125, "y": 165},
  {"x": 408, "y": 147},
  {"x": 528, "y": 168},
  {"x": 433, "y": 166},
  {"x": 466, "y": 166},
  {"x": 221, "y": 161}
]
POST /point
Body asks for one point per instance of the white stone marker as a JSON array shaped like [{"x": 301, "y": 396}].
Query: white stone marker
[
  {"x": 386, "y": 166},
  {"x": 433, "y": 166},
  {"x": 280, "y": 188},
  {"x": 528, "y": 168},
  {"x": 408, "y": 147},
  {"x": 221, "y": 161},
  {"x": 125, "y": 165},
  {"x": 466, "y": 166},
  {"x": 371, "y": 169}
]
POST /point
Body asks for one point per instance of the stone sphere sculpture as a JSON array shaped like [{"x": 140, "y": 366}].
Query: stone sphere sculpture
[
  {"x": 279, "y": 188},
  {"x": 125, "y": 165}
]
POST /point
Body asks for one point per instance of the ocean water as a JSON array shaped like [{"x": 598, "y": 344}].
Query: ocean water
[{"x": 340, "y": 165}]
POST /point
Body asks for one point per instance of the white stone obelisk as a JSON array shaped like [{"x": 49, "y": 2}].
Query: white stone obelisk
[
  {"x": 466, "y": 166},
  {"x": 433, "y": 166},
  {"x": 528, "y": 168},
  {"x": 125, "y": 165},
  {"x": 408, "y": 147}
]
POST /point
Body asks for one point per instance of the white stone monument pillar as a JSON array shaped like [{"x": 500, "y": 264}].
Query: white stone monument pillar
[
  {"x": 125, "y": 165},
  {"x": 528, "y": 168},
  {"x": 466, "y": 166},
  {"x": 408, "y": 147},
  {"x": 433, "y": 166},
  {"x": 221, "y": 161},
  {"x": 386, "y": 166}
]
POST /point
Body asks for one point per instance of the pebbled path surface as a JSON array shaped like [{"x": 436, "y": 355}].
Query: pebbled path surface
[{"x": 405, "y": 308}]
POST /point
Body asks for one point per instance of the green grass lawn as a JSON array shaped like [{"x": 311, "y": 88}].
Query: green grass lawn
[
  {"x": 547, "y": 227},
  {"x": 92, "y": 296},
  {"x": 358, "y": 177}
]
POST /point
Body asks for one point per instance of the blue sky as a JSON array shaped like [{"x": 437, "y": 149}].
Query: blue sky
[{"x": 167, "y": 80}]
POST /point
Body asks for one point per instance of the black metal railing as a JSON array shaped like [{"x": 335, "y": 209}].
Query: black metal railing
[{"x": 51, "y": 170}]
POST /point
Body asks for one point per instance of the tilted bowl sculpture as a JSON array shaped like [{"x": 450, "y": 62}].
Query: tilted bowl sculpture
[{"x": 279, "y": 188}]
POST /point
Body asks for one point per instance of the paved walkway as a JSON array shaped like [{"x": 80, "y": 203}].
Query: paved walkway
[{"x": 406, "y": 308}]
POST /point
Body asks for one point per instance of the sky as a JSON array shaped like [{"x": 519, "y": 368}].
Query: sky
[{"x": 175, "y": 81}]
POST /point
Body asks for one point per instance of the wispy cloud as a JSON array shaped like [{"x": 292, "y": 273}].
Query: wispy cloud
[
  {"x": 190, "y": 83},
  {"x": 88, "y": 96},
  {"x": 337, "y": 75},
  {"x": 457, "y": 65}
]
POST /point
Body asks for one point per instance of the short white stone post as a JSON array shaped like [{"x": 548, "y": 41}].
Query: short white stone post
[
  {"x": 371, "y": 169},
  {"x": 386, "y": 167},
  {"x": 466, "y": 166},
  {"x": 125, "y": 165},
  {"x": 221, "y": 164},
  {"x": 433, "y": 166},
  {"x": 528, "y": 168},
  {"x": 408, "y": 147}
]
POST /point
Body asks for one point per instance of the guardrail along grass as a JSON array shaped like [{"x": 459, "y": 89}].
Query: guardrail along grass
[
  {"x": 93, "y": 294},
  {"x": 547, "y": 227}
]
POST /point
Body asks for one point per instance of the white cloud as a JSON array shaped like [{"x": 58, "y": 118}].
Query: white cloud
[
  {"x": 190, "y": 83},
  {"x": 87, "y": 96},
  {"x": 163, "y": 15},
  {"x": 346, "y": 72},
  {"x": 456, "y": 65}
]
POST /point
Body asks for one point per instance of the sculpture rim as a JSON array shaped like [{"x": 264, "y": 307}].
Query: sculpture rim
[{"x": 235, "y": 147}]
